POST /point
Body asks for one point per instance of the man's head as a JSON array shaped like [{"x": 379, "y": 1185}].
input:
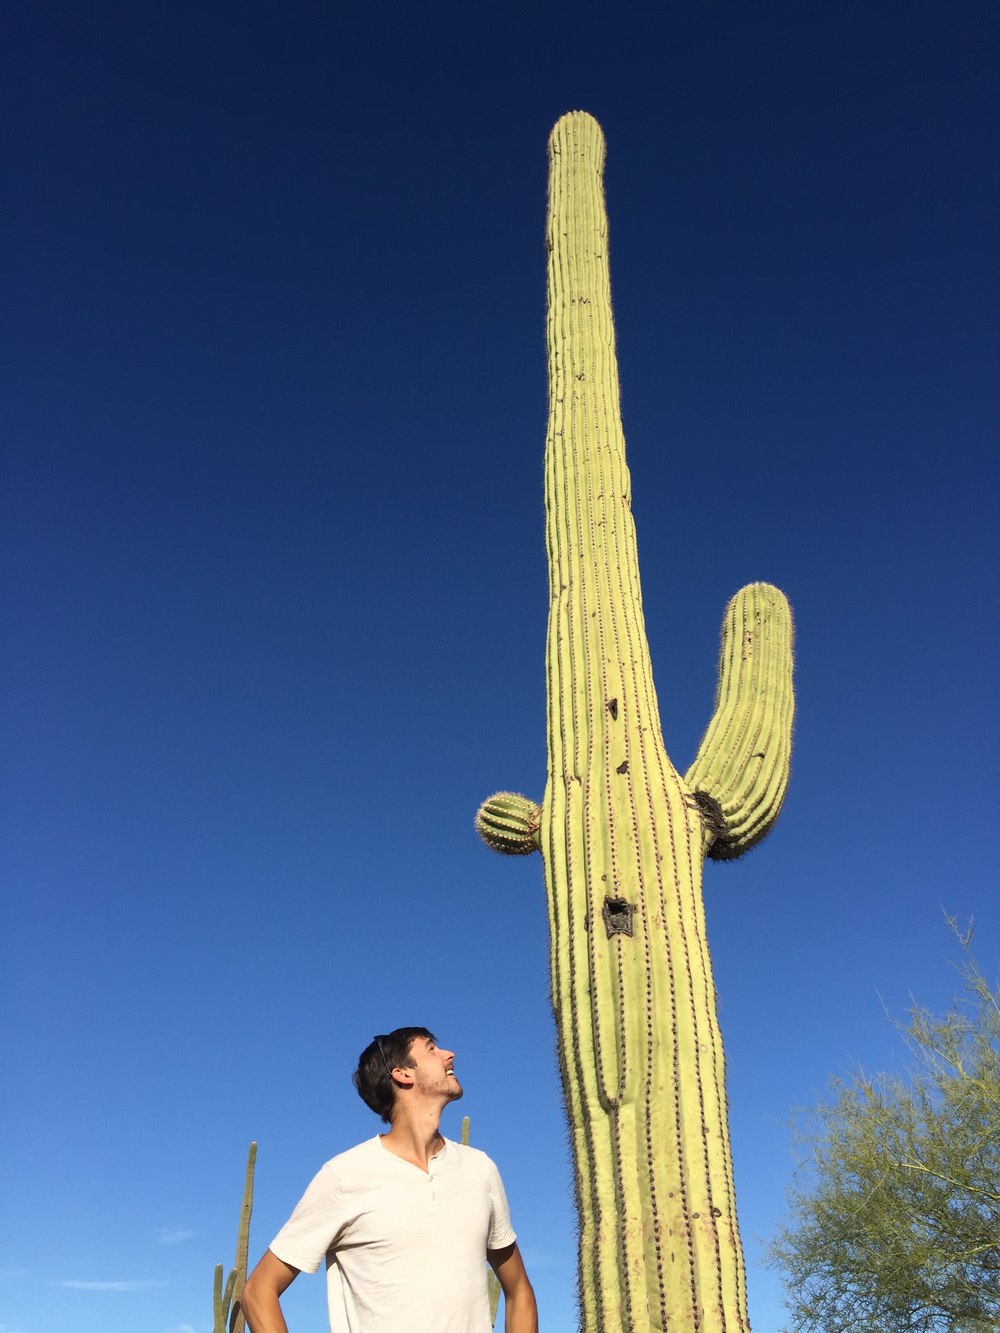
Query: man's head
[{"x": 407, "y": 1058}]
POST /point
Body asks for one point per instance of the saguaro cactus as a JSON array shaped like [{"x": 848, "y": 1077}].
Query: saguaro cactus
[
  {"x": 623, "y": 836},
  {"x": 226, "y": 1305}
]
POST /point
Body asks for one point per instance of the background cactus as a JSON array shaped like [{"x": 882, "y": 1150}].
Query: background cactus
[
  {"x": 623, "y": 837},
  {"x": 226, "y": 1306}
]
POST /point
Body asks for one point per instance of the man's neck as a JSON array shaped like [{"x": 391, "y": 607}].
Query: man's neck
[{"x": 415, "y": 1138}]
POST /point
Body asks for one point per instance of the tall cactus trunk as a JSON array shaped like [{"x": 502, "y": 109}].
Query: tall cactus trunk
[
  {"x": 227, "y": 1300},
  {"x": 623, "y": 836},
  {"x": 638, "y": 1038}
]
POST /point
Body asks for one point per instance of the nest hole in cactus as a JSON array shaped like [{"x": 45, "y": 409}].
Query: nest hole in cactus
[{"x": 617, "y": 914}]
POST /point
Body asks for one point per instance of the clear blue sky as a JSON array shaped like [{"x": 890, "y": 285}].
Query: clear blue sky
[{"x": 275, "y": 587}]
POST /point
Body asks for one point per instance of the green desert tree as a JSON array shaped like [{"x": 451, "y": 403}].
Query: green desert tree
[{"x": 895, "y": 1224}]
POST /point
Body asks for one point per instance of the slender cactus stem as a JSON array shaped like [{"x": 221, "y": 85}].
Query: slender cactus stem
[{"x": 226, "y": 1307}]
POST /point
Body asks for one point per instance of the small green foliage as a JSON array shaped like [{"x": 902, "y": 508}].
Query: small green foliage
[{"x": 895, "y": 1221}]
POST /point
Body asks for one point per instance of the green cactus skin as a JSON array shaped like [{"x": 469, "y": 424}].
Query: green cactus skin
[
  {"x": 226, "y": 1305},
  {"x": 623, "y": 837}
]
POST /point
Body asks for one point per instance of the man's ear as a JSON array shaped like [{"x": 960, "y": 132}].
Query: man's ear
[{"x": 403, "y": 1075}]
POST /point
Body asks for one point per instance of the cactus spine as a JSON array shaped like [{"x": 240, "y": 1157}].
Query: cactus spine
[{"x": 623, "y": 836}]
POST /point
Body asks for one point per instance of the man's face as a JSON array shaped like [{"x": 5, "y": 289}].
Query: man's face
[{"x": 433, "y": 1069}]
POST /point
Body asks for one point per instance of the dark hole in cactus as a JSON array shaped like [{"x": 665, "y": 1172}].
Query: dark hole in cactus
[
  {"x": 613, "y": 709},
  {"x": 711, "y": 813},
  {"x": 622, "y": 767},
  {"x": 725, "y": 847},
  {"x": 617, "y": 916}
]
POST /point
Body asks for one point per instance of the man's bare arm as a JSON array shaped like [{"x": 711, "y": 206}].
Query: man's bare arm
[
  {"x": 261, "y": 1293},
  {"x": 520, "y": 1311}
]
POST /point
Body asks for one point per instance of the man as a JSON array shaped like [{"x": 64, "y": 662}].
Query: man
[{"x": 404, "y": 1221}]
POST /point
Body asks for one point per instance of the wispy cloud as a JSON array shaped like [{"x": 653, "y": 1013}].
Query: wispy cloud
[
  {"x": 174, "y": 1235},
  {"x": 177, "y": 1328},
  {"x": 128, "y": 1284},
  {"x": 6, "y": 1273}
]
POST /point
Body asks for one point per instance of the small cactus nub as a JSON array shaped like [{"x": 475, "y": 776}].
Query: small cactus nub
[{"x": 508, "y": 823}]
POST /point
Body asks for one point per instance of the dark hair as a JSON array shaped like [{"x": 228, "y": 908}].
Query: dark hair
[{"x": 373, "y": 1078}]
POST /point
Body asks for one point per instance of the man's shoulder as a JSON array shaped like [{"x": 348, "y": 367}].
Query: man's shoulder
[
  {"x": 465, "y": 1149},
  {"x": 357, "y": 1156},
  {"x": 473, "y": 1158}
]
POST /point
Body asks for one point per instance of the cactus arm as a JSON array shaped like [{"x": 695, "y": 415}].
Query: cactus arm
[
  {"x": 742, "y": 764},
  {"x": 221, "y": 1300}
]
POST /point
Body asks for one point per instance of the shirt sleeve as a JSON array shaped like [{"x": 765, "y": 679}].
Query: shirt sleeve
[
  {"x": 501, "y": 1232},
  {"x": 314, "y": 1224}
]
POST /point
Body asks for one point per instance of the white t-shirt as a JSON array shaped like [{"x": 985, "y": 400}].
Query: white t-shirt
[{"x": 405, "y": 1249}]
